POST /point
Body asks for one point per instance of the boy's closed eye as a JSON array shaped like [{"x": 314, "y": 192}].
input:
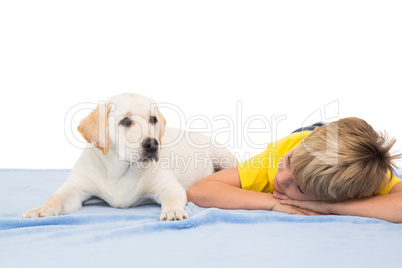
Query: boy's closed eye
[{"x": 298, "y": 187}]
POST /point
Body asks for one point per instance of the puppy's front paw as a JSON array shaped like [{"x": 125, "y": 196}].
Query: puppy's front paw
[
  {"x": 40, "y": 212},
  {"x": 173, "y": 214}
]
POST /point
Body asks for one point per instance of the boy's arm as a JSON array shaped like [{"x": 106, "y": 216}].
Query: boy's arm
[
  {"x": 223, "y": 190},
  {"x": 385, "y": 207}
]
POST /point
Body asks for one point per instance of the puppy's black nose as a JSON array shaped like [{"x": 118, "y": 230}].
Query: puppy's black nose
[{"x": 150, "y": 145}]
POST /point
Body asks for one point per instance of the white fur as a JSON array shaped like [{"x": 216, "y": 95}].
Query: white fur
[{"x": 116, "y": 174}]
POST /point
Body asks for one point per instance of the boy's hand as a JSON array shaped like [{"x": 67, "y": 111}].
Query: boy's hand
[
  {"x": 320, "y": 207},
  {"x": 290, "y": 209}
]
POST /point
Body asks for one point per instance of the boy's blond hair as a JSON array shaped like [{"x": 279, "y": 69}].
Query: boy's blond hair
[{"x": 343, "y": 160}]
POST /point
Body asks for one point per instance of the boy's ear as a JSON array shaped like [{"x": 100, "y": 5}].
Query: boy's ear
[
  {"x": 95, "y": 127},
  {"x": 316, "y": 128}
]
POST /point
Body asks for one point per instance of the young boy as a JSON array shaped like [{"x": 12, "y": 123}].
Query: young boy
[{"x": 344, "y": 167}]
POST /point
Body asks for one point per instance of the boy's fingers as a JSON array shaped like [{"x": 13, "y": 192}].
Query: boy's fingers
[
  {"x": 309, "y": 207},
  {"x": 310, "y": 213},
  {"x": 280, "y": 196},
  {"x": 294, "y": 203},
  {"x": 288, "y": 202},
  {"x": 298, "y": 212},
  {"x": 306, "y": 212}
]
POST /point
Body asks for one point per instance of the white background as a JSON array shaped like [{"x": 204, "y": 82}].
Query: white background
[{"x": 283, "y": 59}]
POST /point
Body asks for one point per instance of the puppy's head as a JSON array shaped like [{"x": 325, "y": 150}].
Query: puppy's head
[{"x": 129, "y": 125}]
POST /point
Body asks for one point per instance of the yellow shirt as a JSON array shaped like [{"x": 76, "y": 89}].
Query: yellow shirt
[{"x": 258, "y": 173}]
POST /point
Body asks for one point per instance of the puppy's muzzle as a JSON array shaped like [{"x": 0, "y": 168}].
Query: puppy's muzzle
[{"x": 150, "y": 147}]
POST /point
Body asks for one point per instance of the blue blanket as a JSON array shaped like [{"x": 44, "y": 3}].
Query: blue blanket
[{"x": 101, "y": 236}]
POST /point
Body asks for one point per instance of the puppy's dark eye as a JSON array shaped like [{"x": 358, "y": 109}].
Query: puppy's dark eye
[
  {"x": 126, "y": 122},
  {"x": 153, "y": 120}
]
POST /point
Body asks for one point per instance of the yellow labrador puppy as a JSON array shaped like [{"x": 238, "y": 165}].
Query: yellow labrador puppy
[{"x": 132, "y": 157}]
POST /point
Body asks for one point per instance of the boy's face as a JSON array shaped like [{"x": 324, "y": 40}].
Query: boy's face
[{"x": 284, "y": 182}]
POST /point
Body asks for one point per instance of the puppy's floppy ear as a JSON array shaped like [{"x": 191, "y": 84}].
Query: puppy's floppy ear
[
  {"x": 162, "y": 121},
  {"x": 94, "y": 128}
]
